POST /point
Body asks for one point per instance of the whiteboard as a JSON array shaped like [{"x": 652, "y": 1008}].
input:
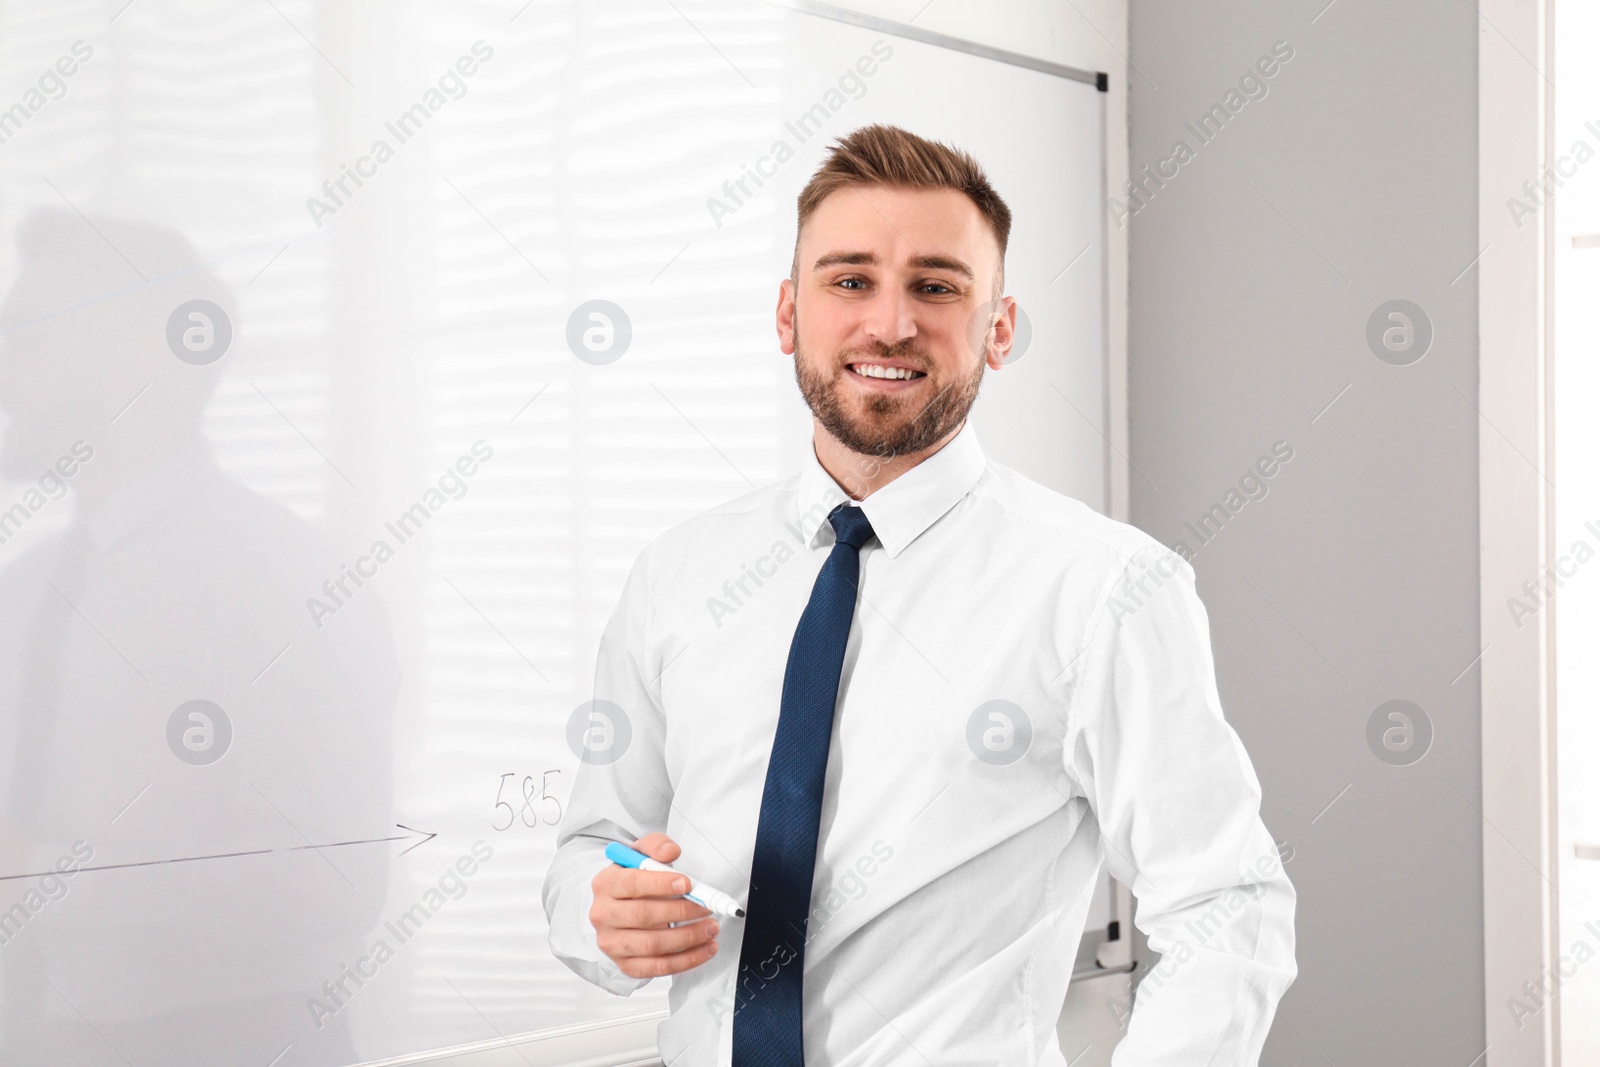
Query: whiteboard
[{"x": 311, "y": 516}]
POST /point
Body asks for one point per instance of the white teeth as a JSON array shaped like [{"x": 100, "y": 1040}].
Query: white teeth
[{"x": 868, "y": 370}]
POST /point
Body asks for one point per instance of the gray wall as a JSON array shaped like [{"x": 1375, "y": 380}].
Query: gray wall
[{"x": 1354, "y": 580}]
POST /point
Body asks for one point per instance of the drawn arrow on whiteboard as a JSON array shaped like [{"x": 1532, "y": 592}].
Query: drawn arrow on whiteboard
[{"x": 423, "y": 836}]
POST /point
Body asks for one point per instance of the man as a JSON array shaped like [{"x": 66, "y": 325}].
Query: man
[{"x": 905, "y": 703}]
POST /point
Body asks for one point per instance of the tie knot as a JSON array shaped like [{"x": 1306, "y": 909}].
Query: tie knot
[{"x": 850, "y": 525}]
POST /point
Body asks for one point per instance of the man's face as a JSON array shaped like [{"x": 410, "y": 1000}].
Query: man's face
[{"x": 894, "y": 278}]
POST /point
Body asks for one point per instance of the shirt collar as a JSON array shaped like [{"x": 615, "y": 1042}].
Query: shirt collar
[{"x": 903, "y": 509}]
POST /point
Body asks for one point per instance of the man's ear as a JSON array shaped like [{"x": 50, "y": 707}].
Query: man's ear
[
  {"x": 1005, "y": 333},
  {"x": 785, "y": 316}
]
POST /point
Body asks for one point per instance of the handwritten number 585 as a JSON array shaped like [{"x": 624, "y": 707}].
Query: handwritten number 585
[{"x": 525, "y": 812}]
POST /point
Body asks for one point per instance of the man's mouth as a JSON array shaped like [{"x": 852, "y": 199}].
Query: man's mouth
[{"x": 879, "y": 372}]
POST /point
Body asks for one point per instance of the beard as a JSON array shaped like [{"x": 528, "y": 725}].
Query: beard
[{"x": 886, "y": 424}]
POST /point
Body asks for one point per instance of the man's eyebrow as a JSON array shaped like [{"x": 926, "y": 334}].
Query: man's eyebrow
[{"x": 868, "y": 259}]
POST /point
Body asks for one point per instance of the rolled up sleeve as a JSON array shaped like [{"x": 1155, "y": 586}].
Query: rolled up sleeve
[
  {"x": 615, "y": 797},
  {"x": 1177, "y": 804}
]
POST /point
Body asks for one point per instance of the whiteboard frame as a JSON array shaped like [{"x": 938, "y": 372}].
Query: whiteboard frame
[
  {"x": 630, "y": 1040},
  {"x": 942, "y": 40}
]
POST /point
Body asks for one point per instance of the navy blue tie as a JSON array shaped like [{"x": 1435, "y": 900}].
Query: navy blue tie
[{"x": 767, "y": 1005}]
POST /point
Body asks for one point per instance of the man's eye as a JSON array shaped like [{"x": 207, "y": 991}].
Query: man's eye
[
  {"x": 851, "y": 281},
  {"x": 939, "y": 286}
]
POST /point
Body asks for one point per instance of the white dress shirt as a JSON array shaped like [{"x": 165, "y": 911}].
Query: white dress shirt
[{"x": 1027, "y": 690}]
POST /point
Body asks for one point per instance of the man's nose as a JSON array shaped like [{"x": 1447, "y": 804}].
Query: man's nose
[{"x": 890, "y": 317}]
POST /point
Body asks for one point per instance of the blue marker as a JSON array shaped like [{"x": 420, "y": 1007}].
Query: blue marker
[{"x": 711, "y": 899}]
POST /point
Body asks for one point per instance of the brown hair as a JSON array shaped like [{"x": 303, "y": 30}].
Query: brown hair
[{"x": 888, "y": 155}]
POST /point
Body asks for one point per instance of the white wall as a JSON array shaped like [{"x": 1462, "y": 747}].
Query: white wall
[{"x": 1355, "y": 581}]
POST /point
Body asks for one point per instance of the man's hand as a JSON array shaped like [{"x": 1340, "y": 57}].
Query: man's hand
[{"x": 633, "y": 909}]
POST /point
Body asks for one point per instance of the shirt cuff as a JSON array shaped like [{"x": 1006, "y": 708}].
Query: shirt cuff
[{"x": 574, "y": 942}]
